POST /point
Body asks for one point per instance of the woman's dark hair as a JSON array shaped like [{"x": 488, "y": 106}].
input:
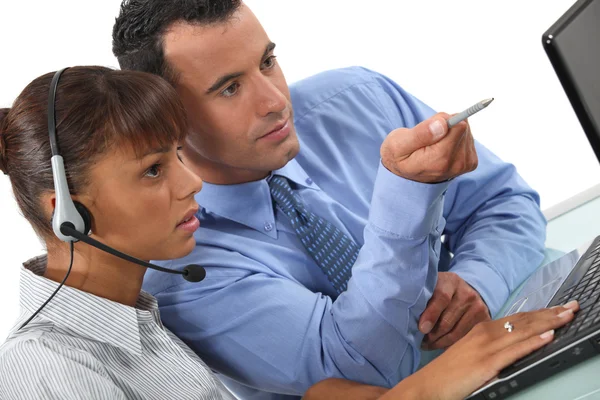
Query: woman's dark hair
[
  {"x": 97, "y": 110},
  {"x": 140, "y": 27}
]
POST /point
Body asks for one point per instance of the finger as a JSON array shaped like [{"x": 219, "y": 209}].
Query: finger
[
  {"x": 573, "y": 305},
  {"x": 465, "y": 300},
  {"x": 464, "y": 155},
  {"x": 469, "y": 319},
  {"x": 471, "y": 158},
  {"x": 431, "y": 342},
  {"x": 426, "y": 133},
  {"x": 450, "y": 145},
  {"x": 450, "y": 153},
  {"x": 442, "y": 296},
  {"x": 435, "y": 307},
  {"x": 530, "y": 317},
  {"x": 527, "y": 325},
  {"x": 464, "y": 142},
  {"x": 448, "y": 319},
  {"x": 516, "y": 351},
  {"x": 462, "y": 327},
  {"x": 457, "y": 134}
]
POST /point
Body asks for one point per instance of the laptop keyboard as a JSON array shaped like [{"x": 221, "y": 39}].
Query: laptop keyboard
[
  {"x": 587, "y": 292},
  {"x": 587, "y": 319}
]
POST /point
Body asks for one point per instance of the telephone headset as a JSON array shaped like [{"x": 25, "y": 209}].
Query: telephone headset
[{"x": 72, "y": 221}]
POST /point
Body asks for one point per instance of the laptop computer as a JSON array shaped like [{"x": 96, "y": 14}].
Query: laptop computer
[{"x": 573, "y": 47}]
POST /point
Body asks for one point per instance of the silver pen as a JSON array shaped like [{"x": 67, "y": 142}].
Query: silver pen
[{"x": 468, "y": 112}]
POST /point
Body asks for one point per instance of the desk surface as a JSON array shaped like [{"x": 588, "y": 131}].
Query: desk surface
[
  {"x": 565, "y": 233},
  {"x": 582, "y": 382}
]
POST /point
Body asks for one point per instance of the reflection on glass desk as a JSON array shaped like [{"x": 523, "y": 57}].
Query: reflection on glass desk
[{"x": 541, "y": 286}]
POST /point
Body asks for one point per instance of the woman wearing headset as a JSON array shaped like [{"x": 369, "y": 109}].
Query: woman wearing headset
[{"x": 100, "y": 336}]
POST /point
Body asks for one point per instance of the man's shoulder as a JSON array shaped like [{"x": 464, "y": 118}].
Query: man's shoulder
[
  {"x": 336, "y": 79},
  {"x": 311, "y": 91}
]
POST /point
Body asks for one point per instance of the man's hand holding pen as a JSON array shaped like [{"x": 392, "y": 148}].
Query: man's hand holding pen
[{"x": 436, "y": 150}]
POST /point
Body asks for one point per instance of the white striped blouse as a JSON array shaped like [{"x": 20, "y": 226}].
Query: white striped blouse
[{"x": 81, "y": 346}]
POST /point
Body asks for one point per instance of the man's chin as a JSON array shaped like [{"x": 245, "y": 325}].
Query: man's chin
[
  {"x": 288, "y": 153},
  {"x": 293, "y": 152}
]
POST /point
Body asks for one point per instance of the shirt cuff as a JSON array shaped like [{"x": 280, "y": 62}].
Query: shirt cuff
[
  {"x": 488, "y": 283},
  {"x": 406, "y": 208}
]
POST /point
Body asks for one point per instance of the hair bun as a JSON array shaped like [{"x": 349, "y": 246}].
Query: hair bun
[{"x": 3, "y": 124}]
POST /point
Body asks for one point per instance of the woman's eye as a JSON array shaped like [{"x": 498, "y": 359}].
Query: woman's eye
[
  {"x": 153, "y": 171},
  {"x": 231, "y": 90}
]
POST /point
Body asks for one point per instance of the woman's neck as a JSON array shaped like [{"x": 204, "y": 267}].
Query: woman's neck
[{"x": 96, "y": 272}]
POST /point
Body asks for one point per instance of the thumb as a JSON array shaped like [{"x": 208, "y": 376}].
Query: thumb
[{"x": 424, "y": 134}]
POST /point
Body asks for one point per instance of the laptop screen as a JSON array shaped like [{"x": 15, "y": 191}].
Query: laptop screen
[{"x": 577, "y": 45}]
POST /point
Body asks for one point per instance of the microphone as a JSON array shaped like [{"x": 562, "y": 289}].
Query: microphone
[{"x": 191, "y": 273}]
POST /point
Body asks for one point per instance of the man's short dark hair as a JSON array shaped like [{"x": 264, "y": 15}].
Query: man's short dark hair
[{"x": 138, "y": 33}]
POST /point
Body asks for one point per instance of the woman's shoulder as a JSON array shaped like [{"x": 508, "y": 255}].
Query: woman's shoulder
[
  {"x": 38, "y": 363},
  {"x": 41, "y": 347}
]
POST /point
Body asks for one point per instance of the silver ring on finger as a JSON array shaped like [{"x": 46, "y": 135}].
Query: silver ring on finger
[{"x": 508, "y": 326}]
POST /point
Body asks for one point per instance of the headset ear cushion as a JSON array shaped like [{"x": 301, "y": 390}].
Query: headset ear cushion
[{"x": 86, "y": 215}]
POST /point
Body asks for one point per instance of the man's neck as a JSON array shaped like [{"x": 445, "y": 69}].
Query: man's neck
[{"x": 96, "y": 272}]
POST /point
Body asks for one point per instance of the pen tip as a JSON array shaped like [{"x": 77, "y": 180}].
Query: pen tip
[{"x": 487, "y": 102}]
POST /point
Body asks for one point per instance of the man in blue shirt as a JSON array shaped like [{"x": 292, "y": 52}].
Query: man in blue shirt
[{"x": 371, "y": 160}]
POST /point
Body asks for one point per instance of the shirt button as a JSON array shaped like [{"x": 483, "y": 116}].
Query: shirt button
[
  {"x": 268, "y": 226},
  {"x": 309, "y": 181}
]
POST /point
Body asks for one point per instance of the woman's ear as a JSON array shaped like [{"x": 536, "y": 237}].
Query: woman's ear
[{"x": 48, "y": 203}]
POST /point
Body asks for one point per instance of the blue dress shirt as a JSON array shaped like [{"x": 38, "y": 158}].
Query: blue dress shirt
[{"x": 266, "y": 315}]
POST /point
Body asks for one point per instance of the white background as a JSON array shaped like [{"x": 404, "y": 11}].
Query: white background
[{"x": 450, "y": 54}]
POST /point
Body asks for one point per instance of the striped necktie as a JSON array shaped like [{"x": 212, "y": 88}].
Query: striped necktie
[{"x": 332, "y": 250}]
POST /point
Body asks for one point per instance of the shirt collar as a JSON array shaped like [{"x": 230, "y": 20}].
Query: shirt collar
[
  {"x": 295, "y": 173},
  {"x": 250, "y": 203},
  {"x": 83, "y": 313}
]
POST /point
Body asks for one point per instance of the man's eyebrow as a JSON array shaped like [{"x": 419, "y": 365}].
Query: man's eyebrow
[
  {"x": 226, "y": 78},
  {"x": 270, "y": 48},
  {"x": 222, "y": 80}
]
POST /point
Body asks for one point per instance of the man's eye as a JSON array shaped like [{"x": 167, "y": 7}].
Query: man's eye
[
  {"x": 269, "y": 62},
  {"x": 230, "y": 90}
]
